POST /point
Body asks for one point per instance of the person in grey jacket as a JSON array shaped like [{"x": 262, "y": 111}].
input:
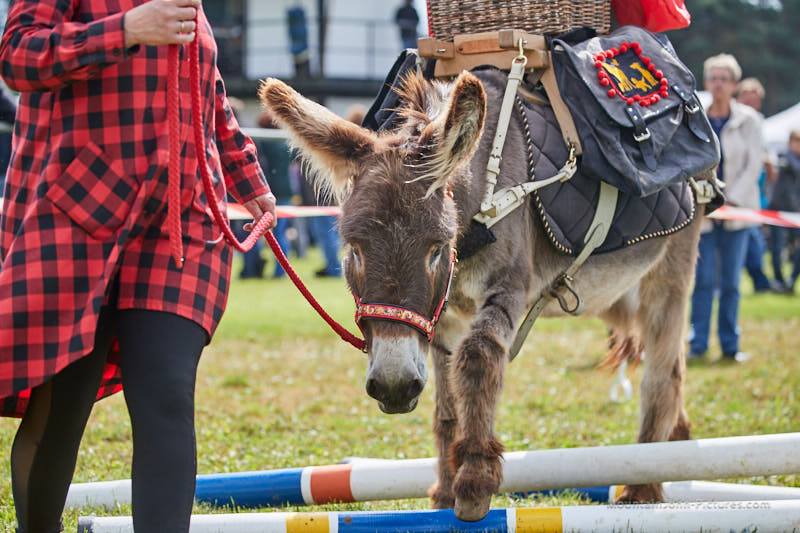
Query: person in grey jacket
[
  {"x": 786, "y": 197},
  {"x": 723, "y": 245}
]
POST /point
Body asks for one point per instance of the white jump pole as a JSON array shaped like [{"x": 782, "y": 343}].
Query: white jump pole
[
  {"x": 728, "y": 457},
  {"x": 666, "y": 518}
]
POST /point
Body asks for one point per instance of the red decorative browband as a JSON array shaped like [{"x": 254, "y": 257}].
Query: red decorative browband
[
  {"x": 405, "y": 316},
  {"x": 631, "y": 76}
]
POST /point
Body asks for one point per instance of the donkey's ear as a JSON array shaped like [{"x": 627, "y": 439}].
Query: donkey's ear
[
  {"x": 332, "y": 145},
  {"x": 454, "y": 135}
]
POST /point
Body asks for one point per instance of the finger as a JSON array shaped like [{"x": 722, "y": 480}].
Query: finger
[
  {"x": 184, "y": 26},
  {"x": 184, "y": 38},
  {"x": 187, "y": 3},
  {"x": 185, "y": 13},
  {"x": 265, "y": 204}
]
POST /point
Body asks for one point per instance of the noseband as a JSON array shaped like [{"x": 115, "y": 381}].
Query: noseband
[{"x": 395, "y": 313}]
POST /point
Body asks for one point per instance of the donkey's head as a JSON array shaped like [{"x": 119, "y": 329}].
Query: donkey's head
[{"x": 399, "y": 221}]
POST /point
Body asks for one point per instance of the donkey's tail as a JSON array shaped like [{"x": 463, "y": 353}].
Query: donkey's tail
[{"x": 621, "y": 348}]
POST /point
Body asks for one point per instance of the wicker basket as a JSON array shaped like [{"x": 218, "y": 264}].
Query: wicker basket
[{"x": 453, "y": 17}]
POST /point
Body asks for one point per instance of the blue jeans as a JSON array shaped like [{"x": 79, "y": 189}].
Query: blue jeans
[
  {"x": 756, "y": 246},
  {"x": 722, "y": 254},
  {"x": 779, "y": 237},
  {"x": 327, "y": 237},
  {"x": 253, "y": 263}
]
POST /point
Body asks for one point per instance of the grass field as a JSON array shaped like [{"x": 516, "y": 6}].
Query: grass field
[{"x": 277, "y": 389}]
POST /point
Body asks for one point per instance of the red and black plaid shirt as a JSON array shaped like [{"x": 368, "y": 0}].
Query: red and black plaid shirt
[{"x": 86, "y": 188}]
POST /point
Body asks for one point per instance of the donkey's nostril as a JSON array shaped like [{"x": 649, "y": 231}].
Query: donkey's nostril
[
  {"x": 415, "y": 388},
  {"x": 373, "y": 389}
]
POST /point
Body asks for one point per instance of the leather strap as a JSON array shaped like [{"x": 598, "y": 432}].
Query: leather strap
[
  {"x": 595, "y": 237},
  {"x": 693, "y": 108},
  {"x": 560, "y": 109},
  {"x": 515, "y": 76},
  {"x": 500, "y": 59},
  {"x": 505, "y": 201},
  {"x": 642, "y": 135}
]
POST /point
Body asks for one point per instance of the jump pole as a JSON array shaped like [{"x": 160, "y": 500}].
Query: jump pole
[
  {"x": 260, "y": 493},
  {"x": 685, "y": 517},
  {"x": 523, "y": 472}
]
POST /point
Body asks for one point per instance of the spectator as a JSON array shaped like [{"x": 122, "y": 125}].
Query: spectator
[
  {"x": 324, "y": 228},
  {"x": 277, "y": 153},
  {"x": 751, "y": 93},
  {"x": 723, "y": 245},
  {"x": 787, "y": 198},
  {"x": 407, "y": 20},
  {"x": 298, "y": 41},
  {"x": 253, "y": 263}
]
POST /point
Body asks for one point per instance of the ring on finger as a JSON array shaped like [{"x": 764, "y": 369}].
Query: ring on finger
[{"x": 182, "y": 23}]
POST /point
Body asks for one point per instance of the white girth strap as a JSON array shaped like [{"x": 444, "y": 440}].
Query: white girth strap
[
  {"x": 496, "y": 155},
  {"x": 497, "y": 205},
  {"x": 595, "y": 237},
  {"x": 504, "y": 201}
]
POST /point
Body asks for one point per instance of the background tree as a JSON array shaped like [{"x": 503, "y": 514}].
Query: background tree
[{"x": 764, "y": 35}]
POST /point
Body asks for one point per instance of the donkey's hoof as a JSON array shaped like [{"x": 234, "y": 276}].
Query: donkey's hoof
[
  {"x": 652, "y": 493},
  {"x": 441, "y": 498},
  {"x": 472, "y": 510}
]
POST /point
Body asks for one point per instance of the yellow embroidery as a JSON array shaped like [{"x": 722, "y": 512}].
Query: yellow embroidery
[
  {"x": 623, "y": 82},
  {"x": 646, "y": 82}
]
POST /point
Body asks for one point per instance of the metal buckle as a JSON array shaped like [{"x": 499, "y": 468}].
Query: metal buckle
[
  {"x": 691, "y": 107},
  {"x": 556, "y": 290},
  {"x": 704, "y": 191},
  {"x": 643, "y": 136}
]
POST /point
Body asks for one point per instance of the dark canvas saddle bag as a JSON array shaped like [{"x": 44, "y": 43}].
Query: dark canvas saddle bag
[{"x": 640, "y": 123}]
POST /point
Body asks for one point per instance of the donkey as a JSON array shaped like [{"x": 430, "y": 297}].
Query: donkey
[{"x": 406, "y": 197}]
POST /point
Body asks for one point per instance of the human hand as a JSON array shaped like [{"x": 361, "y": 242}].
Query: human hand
[
  {"x": 160, "y": 22},
  {"x": 258, "y": 207}
]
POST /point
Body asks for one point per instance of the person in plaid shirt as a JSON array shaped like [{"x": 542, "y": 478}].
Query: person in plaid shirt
[{"x": 90, "y": 299}]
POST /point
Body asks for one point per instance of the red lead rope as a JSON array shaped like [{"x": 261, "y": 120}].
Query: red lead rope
[{"x": 174, "y": 186}]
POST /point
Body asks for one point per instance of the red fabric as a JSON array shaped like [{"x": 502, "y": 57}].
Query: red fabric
[
  {"x": 654, "y": 15},
  {"x": 86, "y": 188}
]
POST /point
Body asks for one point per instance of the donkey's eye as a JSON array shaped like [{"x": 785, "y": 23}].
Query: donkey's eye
[
  {"x": 355, "y": 255},
  {"x": 435, "y": 256}
]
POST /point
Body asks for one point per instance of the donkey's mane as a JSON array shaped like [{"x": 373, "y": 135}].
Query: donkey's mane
[{"x": 425, "y": 113}]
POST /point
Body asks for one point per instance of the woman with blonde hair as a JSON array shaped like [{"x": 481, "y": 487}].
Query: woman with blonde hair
[{"x": 723, "y": 245}]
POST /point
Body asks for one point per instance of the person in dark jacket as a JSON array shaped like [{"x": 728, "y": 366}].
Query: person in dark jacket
[
  {"x": 278, "y": 157},
  {"x": 786, "y": 197},
  {"x": 407, "y": 20}
]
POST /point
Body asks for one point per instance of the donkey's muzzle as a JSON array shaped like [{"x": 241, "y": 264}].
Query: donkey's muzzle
[{"x": 397, "y": 374}]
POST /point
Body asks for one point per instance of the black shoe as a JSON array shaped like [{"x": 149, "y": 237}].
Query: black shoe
[{"x": 324, "y": 273}]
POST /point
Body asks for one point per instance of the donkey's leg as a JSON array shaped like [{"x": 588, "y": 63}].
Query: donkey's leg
[
  {"x": 476, "y": 380},
  {"x": 444, "y": 427},
  {"x": 663, "y": 318}
]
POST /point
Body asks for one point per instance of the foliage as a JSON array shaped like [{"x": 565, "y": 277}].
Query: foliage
[{"x": 763, "y": 39}]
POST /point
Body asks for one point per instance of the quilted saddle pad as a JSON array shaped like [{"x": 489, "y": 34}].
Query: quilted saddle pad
[{"x": 567, "y": 209}]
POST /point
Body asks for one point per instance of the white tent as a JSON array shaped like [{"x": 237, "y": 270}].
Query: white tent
[{"x": 778, "y": 126}]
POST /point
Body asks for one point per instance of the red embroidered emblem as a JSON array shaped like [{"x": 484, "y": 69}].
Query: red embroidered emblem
[{"x": 631, "y": 76}]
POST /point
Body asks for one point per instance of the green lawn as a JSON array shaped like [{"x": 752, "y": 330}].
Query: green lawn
[{"x": 277, "y": 389}]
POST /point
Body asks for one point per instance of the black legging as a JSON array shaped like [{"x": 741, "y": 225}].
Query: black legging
[{"x": 160, "y": 352}]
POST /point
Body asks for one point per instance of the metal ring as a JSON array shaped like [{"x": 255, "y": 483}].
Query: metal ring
[{"x": 182, "y": 23}]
